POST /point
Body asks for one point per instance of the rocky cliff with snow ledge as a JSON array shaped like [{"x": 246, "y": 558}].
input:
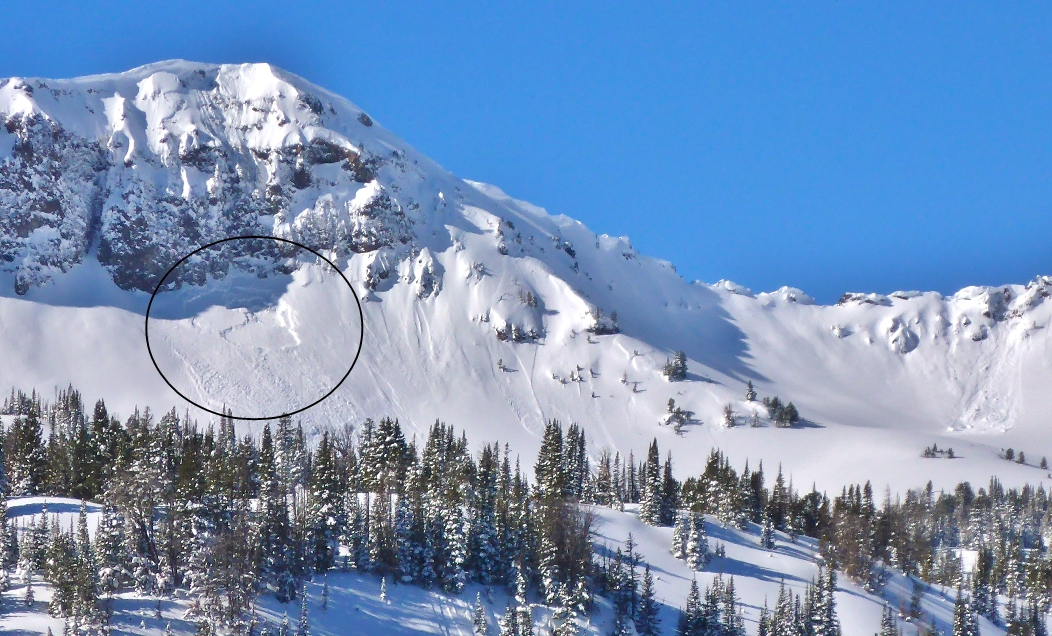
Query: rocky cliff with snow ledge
[
  {"x": 142, "y": 167},
  {"x": 106, "y": 181}
]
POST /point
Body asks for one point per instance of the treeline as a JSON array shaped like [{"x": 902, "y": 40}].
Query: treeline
[
  {"x": 227, "y": 517},
  {"x": 921, "y": 535}
]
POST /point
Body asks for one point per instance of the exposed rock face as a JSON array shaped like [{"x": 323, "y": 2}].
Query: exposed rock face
[
  {"x": 144, "y": 167},
  {"x": 51, "y": 191}
]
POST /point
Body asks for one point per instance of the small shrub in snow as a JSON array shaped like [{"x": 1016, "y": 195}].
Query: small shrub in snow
[
  {"x": 784, "y": 416},
  {"x": 514, "y": 333},
  {"x": 527, "y": 298},
  {"x": 728, "y": 417},
  {"x": 675, "y": 370},
  {"x": 677, "y": 417},
  {"x": 601, "y": 324}
]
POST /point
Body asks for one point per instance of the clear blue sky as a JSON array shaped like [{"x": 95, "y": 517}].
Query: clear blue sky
[{"x": 830, "y": 146}]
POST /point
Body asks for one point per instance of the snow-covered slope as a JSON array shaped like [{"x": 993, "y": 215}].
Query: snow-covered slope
[{"x": 480, "y": 310}]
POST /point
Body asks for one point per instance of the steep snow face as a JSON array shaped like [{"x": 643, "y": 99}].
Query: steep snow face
[
  {"x": 481, "y": 310},
  {"x": 249, "y": 357}
]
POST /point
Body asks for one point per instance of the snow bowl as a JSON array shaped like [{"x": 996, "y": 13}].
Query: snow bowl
[{"x": 272, "y": 306}]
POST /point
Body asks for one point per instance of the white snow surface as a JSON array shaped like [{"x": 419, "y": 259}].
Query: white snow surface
[
  {"x": 64, "y": 510},
  {"x": 876, "y": 378}
]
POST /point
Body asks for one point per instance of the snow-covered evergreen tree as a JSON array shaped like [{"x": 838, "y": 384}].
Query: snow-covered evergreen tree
[
  {"x": 9, "y": 555},
  {"x": 679, "y": 536},
  {"x": 889, "y": 625},
  {"x": 86, "y": 569},
  {"x": 114, "y": 566},
  {"x": 711, "y": 606},
  {"x": 763, "y": 622},
  {"x": 669, "y": 500},
  {"x": 729, "y": 417},
  {"x": 275, "y": 533},
  {"x": 525, "y": 620},
  {"x": 27, "y": 459},
  {"x": 325, "y": 510},
  {"x": 823, "y": 615},
  {"x": 650, "y": 506},
  {"x": 407, "y": 541},
  {"x": 549, "y": 468},
  {"x": 4, "y": 486},
  {"x": 478, "y": 617},
  {"x": 983, "y": 595},
  {"x": 965, "y": 619},
  {"x": 454, "y": 573},
  {"x": 356, "y": 533},
  {"x": 483, "y": 549},
  {"x": 381, "y": 534},
  {"x": 60, "y": 570},
  {"x": 767, "y": 531},
  {"x": 785, "y": 618},
  {"x": 691, "y": 622},
  {"x": 509, "y": 623},
  {"x": 647, "y": 621},
  {"x": 568, "y": 607},
  {"x": 8, "y": 549},
  {"x": 731, "y": 621},
  {"x": 303, "y": 624},
  {"x": 697, "y": 545}
]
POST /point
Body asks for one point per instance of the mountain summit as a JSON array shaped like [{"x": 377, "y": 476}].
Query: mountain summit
[
  {"x": 140, "y": 168},
  {"x": 480, "y": 310}
]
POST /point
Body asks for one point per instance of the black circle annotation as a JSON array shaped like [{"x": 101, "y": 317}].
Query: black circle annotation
[{"x": 160, "y": 284}]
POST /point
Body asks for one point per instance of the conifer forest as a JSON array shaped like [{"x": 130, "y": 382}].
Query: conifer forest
[{"x": 227, "y": 518}]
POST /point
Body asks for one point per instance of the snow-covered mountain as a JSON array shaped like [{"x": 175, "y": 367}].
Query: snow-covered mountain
[{"x": 483, "y": 311}]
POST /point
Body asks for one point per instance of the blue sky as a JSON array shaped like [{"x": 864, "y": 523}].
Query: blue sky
[{"x": 828, "y": 146}]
